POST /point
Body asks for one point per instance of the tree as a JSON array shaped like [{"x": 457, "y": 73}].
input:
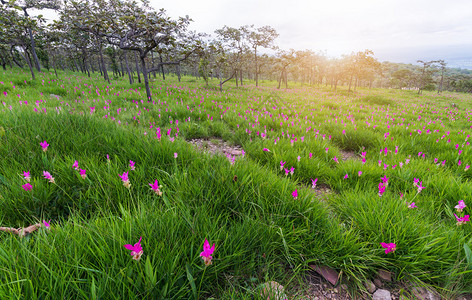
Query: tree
[
  {"x": 260, "y": 37},
  {"x": 26, "y": 5},
  {"x": 425, "y": 77}
]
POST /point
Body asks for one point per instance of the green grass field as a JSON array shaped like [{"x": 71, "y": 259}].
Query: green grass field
[{"x": 261, "y": 231}]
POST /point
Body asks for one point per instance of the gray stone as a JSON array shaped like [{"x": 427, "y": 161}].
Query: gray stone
[
  {"x": 381, "y": 295},
  {"x": 422, "y": 293},
  {"x": 370, "y": 286},
  {"x": 385, "y": 275}
]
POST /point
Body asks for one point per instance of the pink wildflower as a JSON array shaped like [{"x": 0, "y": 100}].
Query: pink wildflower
[
  {"x": 125, "y": 180},
  {"x": 292, "y": 170},
  {"x": 359, "y": 173},
  {"x": 463, "y": 220},
  {"x": 45, "y": 146},
  {"x": 48, "y": 176},
  {"x": 175, "y": 154},
  {"x": 336, "y": 159},
  {"x": 27, "y": 186},
  {"x": 412, "y": 205},
  {"x": 295, "y": 194},
  {"x": 313, "y": 183},
  {"x": 82, "y": 173},
  {"x": 136, "y": 249},
  {"x": 207, "y": 252},
  {"x": 460, "y": 206},
  {"x": 76, "y": 165},
  {"x": 131, "y": 165},
  {"x": 390, "y": 247},
  {"x": 47, "y": 224},
  {"x": 27, "y": 176},
  {"x": 155, "y": 187},
  {"x": 265, "y": 149},
  {"x": 346, "y": 176},
  {"x": 282, "y": 163}
]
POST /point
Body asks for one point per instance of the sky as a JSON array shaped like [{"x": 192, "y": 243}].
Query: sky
[{"x": 396, "y": 30}]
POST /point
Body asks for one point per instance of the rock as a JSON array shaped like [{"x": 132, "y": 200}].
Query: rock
[
  {"x": 422, "y": 293},
  {"x": 385, "y": 275},
  {"x": 370, "y": 286},
  {"x": 378, "y": 282},
  {"x": 381, "y": 295},
  {"x": 272, "y": 291},
  {"x": 235, "y": 152},
  {"x": 329, "y": 274}
]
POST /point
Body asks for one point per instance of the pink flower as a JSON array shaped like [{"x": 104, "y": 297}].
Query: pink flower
[
  {"x": 313, "y": 183},
  {"x": 298, "y": 158},
  {"x": 131, "y": 165},
  {"x": 76, "y": 165},
  {"x": 27, "y": 176},
  {"x": 390, "y": 247},
  {"x": 265, "y": 149},
  {"x": 47, "y": 224},
  {"x": 136, "y": 249},
  {"x": 175, "y": 155},
  {"x": 460, "y": 206},
  {"x": 346, "y": 176},
  {"x": 466, "y": 168},
  {"x": 45, "y": 146},
  {"x": 412, "y": 205},
  {"x": 125, "y": 180},
  {"x": 310, "y": 155},
  {"x": 155, "y": 187},
  {"x": 282, "y": 163},
  {"x": 295, "y": 194},
  {"x": 82, "y": 173},
  {"x": 336, "y": 159},
  {"x": 27, "y": 186},
  {"x": 48, "y": 176},
  {"x": 292, "y": 170},
  {"x": 207, "y": 252},
  {"x": 463, "y": 220},
  {"x": 381, "y": 189},
  {"x": 359, "y": 173}
]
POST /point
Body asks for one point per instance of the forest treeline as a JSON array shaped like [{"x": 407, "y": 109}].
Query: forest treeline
[{"x": 130, "y": 38}]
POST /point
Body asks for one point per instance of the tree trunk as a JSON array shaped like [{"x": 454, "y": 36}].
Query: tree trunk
[
  {"x": 255, "y": 61},
  {"x": 241, "y": 76},
  {"x": 102, "y": 62},
  {"x": 178, "y": 71},
  {"x": 281, "y": 76},
  {"x": 127, "y": 68},
  {"x": 137, "y": 66},
  {"x": 27, "y": 58},
  {"x": 152, "y": 60},
  {"x": 146, "y": 80},
  {"x": 162, "y": 67},
  {"x": 100, "y": 68},
  {"x": 33, "y": 48}
]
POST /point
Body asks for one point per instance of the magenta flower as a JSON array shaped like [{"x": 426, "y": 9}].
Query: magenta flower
[
  {"x": 265, "y": 149},
  {"x": 313, "y": 183},
  {"x": 207, "y": 252},
  {"x": 125, "y": 180},
  {"x": 47, "y": 224},
  {"x": 390, "y": 247},
  {"x": 27, "y": 176},
  {"x": 27, "y": 186},
  {"x": 48, "y": 176},
  {"x": 82, "y": 173},
  {"x": 460, "y": 206},
  {"x": 136, "y": 249},
  {"x": 359, "y": 173},
  {"x": 131, "y": 165},
  {"x": 381, "y": 189},
  {"x": 76, "y": 165},
  {"x": 282, "y": 163},
  {"x": 412, "y": 205},
  {"x": 155, "y": 187},
  {"x": 346, "y": 176},
  {"x": 462, "y": 220},
  {"x": 175, "y": 155},
  {"x": 295, "y": 194},
  {"x": 336, "y": 159},
  {"x": 45, "y": 146},
  {"x": 292, "y": 170}
]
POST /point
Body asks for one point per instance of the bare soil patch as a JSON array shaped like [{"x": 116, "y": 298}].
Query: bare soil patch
[
  {"x": 217, "y": 146},
  {"x": 346, "y": 155}
]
